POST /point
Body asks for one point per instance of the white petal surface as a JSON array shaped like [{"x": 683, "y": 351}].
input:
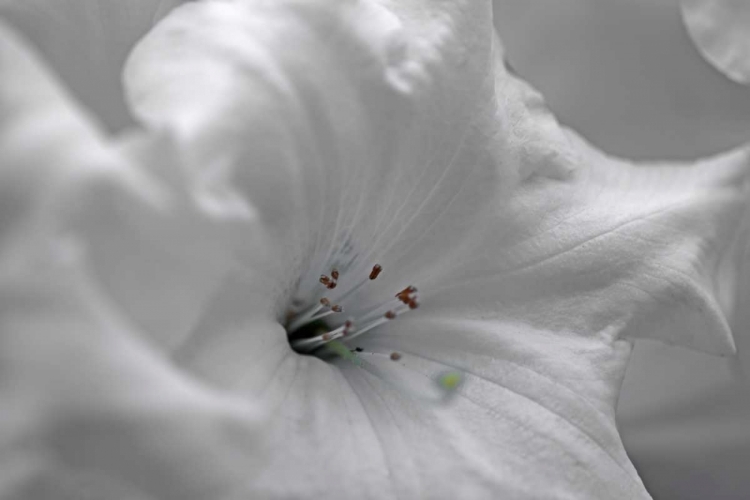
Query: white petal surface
[
  {"x": 341, "y": 122},
  {"x": 535, "y": 253},
  {"x": 720, "y": 30},
  {"x": 86, "y": 43},
  {"x": 91, "y": 410},
  {"x": 636, "y": 248}
]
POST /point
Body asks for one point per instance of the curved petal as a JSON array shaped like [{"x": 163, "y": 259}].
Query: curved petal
[
  {"x": 86, "y": 43},
  {"x": 90, "y": 408},
  {"x": 721, "y": 32},
  {"x": 506, "y": 427},
  {"x": 348, "y": 125},
  {"x": 630, "y": 248}
]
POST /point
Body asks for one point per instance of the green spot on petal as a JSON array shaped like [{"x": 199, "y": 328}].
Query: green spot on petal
[{"x": 449, "y": 381}]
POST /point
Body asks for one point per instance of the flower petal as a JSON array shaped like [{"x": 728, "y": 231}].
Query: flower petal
[
  {"x": 503, "y": 429},
  {"x": 91, "y": 408},
  {"x": 720, "y": 30},
  {"x": 154, "y": 248},
  {"x": 594, "y": 243},
  {"x": 346, "y": 124},
  {"x": 86, "y": 43}
]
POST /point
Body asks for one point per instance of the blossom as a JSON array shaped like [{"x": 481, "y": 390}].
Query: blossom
[{"x": 286, "y": 152}]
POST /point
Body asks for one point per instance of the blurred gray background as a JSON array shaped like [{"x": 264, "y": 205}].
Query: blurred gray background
[{"x": 625, "y": 74}]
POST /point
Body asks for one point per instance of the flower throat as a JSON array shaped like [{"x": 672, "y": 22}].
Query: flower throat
[
  {"x": 324, "y": 323},
  {"x": 321, "y": 327}
]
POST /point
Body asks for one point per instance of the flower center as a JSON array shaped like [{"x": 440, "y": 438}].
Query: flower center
[
  {"x": 321, "y": 321},
  {"x": 319, "y": 325}
]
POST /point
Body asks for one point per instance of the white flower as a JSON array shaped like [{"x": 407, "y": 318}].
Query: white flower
[{"x": 147, "y": 278}]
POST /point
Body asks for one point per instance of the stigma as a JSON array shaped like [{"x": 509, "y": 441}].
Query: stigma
[{"x": 324, "y": 312}]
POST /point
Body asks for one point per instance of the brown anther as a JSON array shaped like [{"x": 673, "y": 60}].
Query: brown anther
[
  {"x": 337, "y": 308},
  {"x": 325, "y": 280},
  {"x": 390, "y": 315},
  {"x": 324, "y": 301},
  {"x": 335, "y": 273},
  {"x": 413, "y": 304},
  {"x": 404, "y": 295},
  {"x": 395, "y": 356},
  {"x": 331, "y": 285},
  {"x": 376, "y": 269},
  {"x": 347, "y": 325}
]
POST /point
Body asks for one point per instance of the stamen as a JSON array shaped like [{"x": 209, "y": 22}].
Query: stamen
[
  {"x": 317, "y": 330},
  {"x": 309, "y": 345},
  {"x": 379, "y": 310},
  {"x": 321, "y": 315},
  {"x": 312, "y": 315},
  {"x": 402, "y": 299},
  {"x": 376, "y": 270},
  {"x": 305, "y": 317},
  {"x": 405, "y": 295},
  {"x": 327, "y": 281},
  {"x": 402, "y": 302},
  {"x": 388, "y": 316}
]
